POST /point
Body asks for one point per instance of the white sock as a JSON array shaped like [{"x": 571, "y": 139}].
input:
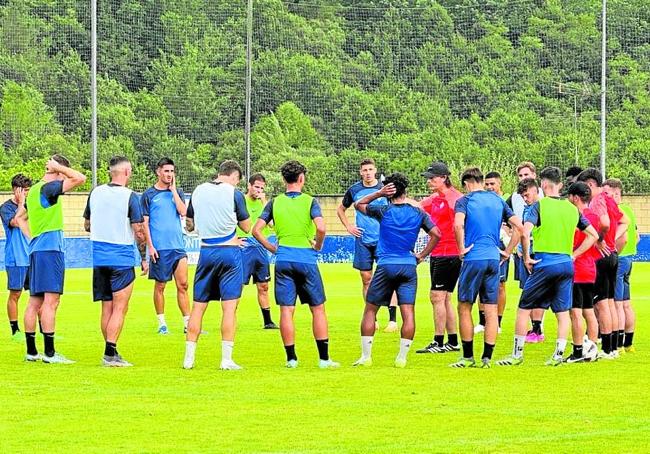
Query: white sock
[
  {"x": 404, "y": 347},
  {"x": 560, "y": 346},
  {"x": 518, "y": 349},
  {"x": 186, "y": 319},
  {"x": 190, "y": 350},
  {"x": 161, "y": 320},
  {"x": 226, "y": 350},
  {"x": 366, "y": 346}
]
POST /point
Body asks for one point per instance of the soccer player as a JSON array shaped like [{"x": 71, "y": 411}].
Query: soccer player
[
  {"x": 163, "y": 206},
  {"x": 477, "y": 225},
  {"x": 300, "y": 232},
  {"x": 552, "y": 221},
  {"x": 254, "y": 257},
  {"x": 400, "y": 223},
  {"x": 13, "y": 214},
  {"x": 570, "y": 177},
  {"x": 583, "y": 281},
  {"x": 366, "y": 231},
  {"x": 113, "y": 216},
  {"x": 627, "y": 317},
  {"x": 46, "y": 257},
  {"x": 215, "y": 210},
  {"x": 444, "y": 264},
  {"x": 612, "y": 225}
]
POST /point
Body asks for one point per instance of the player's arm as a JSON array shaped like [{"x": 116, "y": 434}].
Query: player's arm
[
  {"x": 621, "y": 231},
  {"x": 386, "y": 191},
  {"x": 73, "y": 178},
  {"x": 591, "y": 236},
  {"x": 434, "y": 236},
  {"x": 459, "y": 234},
  {"x": 137, "y": 224},
  {"x": 189, "y": 217},
  {"x": 262, "y": 221},
  {"x": 86, "y": 214},
  {"x": 181, "y": 208},
  {"x": 525, "y": 245},
  {"x": 241, "y": 212},
  {"x": 346, "y": 203},
  {"x": 19, "y": 219},
  {"x": 516, "y": 231}
]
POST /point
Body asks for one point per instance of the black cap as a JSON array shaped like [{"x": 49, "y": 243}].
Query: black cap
[{"x": 437, "y": 169}]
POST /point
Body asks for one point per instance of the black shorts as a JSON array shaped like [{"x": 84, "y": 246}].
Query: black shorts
[
  {"x": 444, "y": 272},
  {"x": 606, "y": 269},
  {"x": 583, "y": 296}
]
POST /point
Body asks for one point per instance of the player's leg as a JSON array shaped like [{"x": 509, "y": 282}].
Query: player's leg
[
  {"x": 230, "y": 289},
  {"x": 285, "y": 297},
  {"x": 406, "y": 292},
  {"x": 182, "y": 286},
  {"x": 48, "y": 320},
  {"x": 30, "y": 317},
  {"x": 561, "y": 302},
  {"x": 379, "y": 294},
  {"x": 12, "y": 310},
  {"x": 489, "y": 291},
  {"x": 501, "y": 303},
  {"x": 159, "y": 305},
  {"x": 107, "y": 310},
  {"x": 630, "y": 325},
  {"x": 451, "y": 325},
  {"x": 310, "y": 289},
  {"x": 536, "y": 334},
  {"x": 228, "y": 328},
  {"x": 612, "y": 267},
  {"x": 193, "y": 332},
  {"x": 469, "y": 282},
  {"x": 119, "y": 309},
  {"x": 622, "y": 298},
  {"x": 602, "y": 308},
  {"x": 120, "y": 283},
  {"x": 480, "y": 326},
  {"x": 392, "y": 315},
  {"x": 265, "y": 305},
  {"x": 577, "y": 327}
]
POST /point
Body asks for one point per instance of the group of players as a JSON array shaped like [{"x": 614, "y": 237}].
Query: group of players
[{"x": 572, "y": 247}]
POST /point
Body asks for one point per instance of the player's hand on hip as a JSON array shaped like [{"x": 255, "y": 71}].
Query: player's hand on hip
[
  {"x": 355, "y": 231},
  {"x": 462, "y": 253},
  {"x": 530, "y": 263},
  {"x": 601, "y": 246}
]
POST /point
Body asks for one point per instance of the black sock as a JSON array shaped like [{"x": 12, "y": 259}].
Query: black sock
[
  {"x": 48, "y": 341},
  {"x": 537, "y": 326},
  {"x": 452, "y": 339},
  {"x": 481, "y": 318},
  {"x": 606, "y": 344},
  {"x": 323, "y": 349},
  {"x": 439, "y": 339},
  {"x": 577, "y": 351},
  {"x": 392, "y": 313},
  {"x": 14, "y": 326},
  {"x": 614, "y": 340},
  {"x": 621, "y": 338},
  {"x": 30, "y": 338},
  {"x": 266, "y": 314},
  {"x": 40, "y": 327},
  {"x": 110, "y": 349},
  {"x": 468, "y": 349},
  {"x": 291, "y": 352},
  {"x": 500, "y": 318},
  {"x": 629, "y": 337},
  {"x": 487, "y": 350}
]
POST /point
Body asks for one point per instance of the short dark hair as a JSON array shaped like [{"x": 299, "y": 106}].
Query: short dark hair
[
  {"x": 591, "y": 174},
  {"x": 614, "y": 183},
  {"x": 116, "y": 160},
  {"x": 400, "y": 182},
  {"x": 493, "y": 175},
  {"x": 61, "y": 160},
  {"x": 229, "y": 167},
  {"x": 581, "y": 190},
  {"x": 256, "y": 177},
  {"x": 552, "y": 174},
  {"x": 366, "y": 162},
  {"x": 21, "y": 181},
  {"x": 291, "y": 170},
  {"x": 165, "y": 162},
  {"x": 573, "y": 171},
  {"x": 525, "y": 184},
  {"x": 472, "y": 173}
]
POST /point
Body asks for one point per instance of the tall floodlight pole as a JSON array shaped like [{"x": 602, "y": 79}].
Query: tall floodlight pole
[
  {"x": 93, "y": 87},
  {"x": 249, "y": 72},
  {"x": 603, "y": 91}
]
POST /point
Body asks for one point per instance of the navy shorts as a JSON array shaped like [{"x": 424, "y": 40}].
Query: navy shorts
[
  {"x": 218, "y": 274},
  {"x": 110, "y": 279},
  {"x": 606, "y": 273},
  {"x": 17, "y": 278},
  {"x": 46, "y": 272},
  {"x": 444, "y": 271},
  {"x": 479, "y": 277},
  {"x": 393, "y": 278},
  {"x": 504, "y": 270},
  {"x": 164, "y": 268},
  {"x": 622, "y": 291},
  {"x": 298, "y": 280},
  {"x": 255, "y": 262},
  {"x": 549, "y": 286},
  {"x": 521, "y": 273},
  {"x": 583, "y": 296},
  {"x": 365, "y": 255}
]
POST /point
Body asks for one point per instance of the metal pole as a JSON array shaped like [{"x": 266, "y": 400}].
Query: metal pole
[
  {"x": 93, "y": 87},
  {"x": 603, "y": 92},
  {"x": 575, "y": 128},
  {"x": 249, "y": 72}
]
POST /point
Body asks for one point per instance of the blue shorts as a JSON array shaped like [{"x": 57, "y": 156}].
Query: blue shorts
[
  {"x": 255, "y": 262},
  {"x": 17, "y": 278},
  {"x": 479, "y": 277},
  {"x": 365, "y": 255},
  {"x": 218, "y": 274},
  {"x": 622, "y": 290},
  {"x": 521, "y": 273},
  {"x": 110, "y": 279},
  {"x": 389, "y": 279},
  {"x": 298, "y": 280},
  {"x": 504, "y": 270},
  {"x": 549, "y": 286},
  {"x": 46, "y": 272},
  {"x": 164, "y": 268}
]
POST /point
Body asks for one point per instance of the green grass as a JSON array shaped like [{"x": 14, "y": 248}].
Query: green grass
[{"x": 156, "y": 406}]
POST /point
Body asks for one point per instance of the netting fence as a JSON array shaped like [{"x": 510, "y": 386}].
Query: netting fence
[{"x": 404, "y": 82}]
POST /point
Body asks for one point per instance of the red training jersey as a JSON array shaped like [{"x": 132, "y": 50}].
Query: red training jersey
[
  {"x": 585, "y": 265},
  {"x": 441, "y": 210},
  {"x": 602, "y": 204}
]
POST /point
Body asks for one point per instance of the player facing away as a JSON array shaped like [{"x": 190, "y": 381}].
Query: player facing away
[
  {"x": 13, "y": 216},
  {"x": 444, "y": 264},
  {"x": 46, "y": 257},
  {"x": 215, "y": 210},
  {"x": 627, "y": 317},
  {"x": 300, "y": 232},
  {"x": 163, "y": 207},
  {"x": 552, "y": 222},
  {"x": 255, "y": 258},
  {"x": 477, "y": 223},
  {"x": 612, "y": 226},
  {"x": 113, "y": 216},
  {"x": 399, "y": 225},
  {"x": 366, "y": 231}
]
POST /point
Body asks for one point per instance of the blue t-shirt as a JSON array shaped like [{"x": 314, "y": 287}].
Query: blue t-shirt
[
  {"x": 294, "y": 254},
  {"x": 164, "y": 221},
  {"x": 16, "y": 245},
  {"x": 399, "y": 226},
  {"x": 368, "y": 225},
  {"x": 484, "y": 211},
  {"x": 49, "y": 241}
]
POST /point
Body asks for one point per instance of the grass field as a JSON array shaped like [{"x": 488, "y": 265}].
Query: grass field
[{"x": 157, "y": 406}]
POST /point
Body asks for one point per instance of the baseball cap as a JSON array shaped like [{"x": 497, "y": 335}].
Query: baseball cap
[{"x": 436, "y": 169}]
